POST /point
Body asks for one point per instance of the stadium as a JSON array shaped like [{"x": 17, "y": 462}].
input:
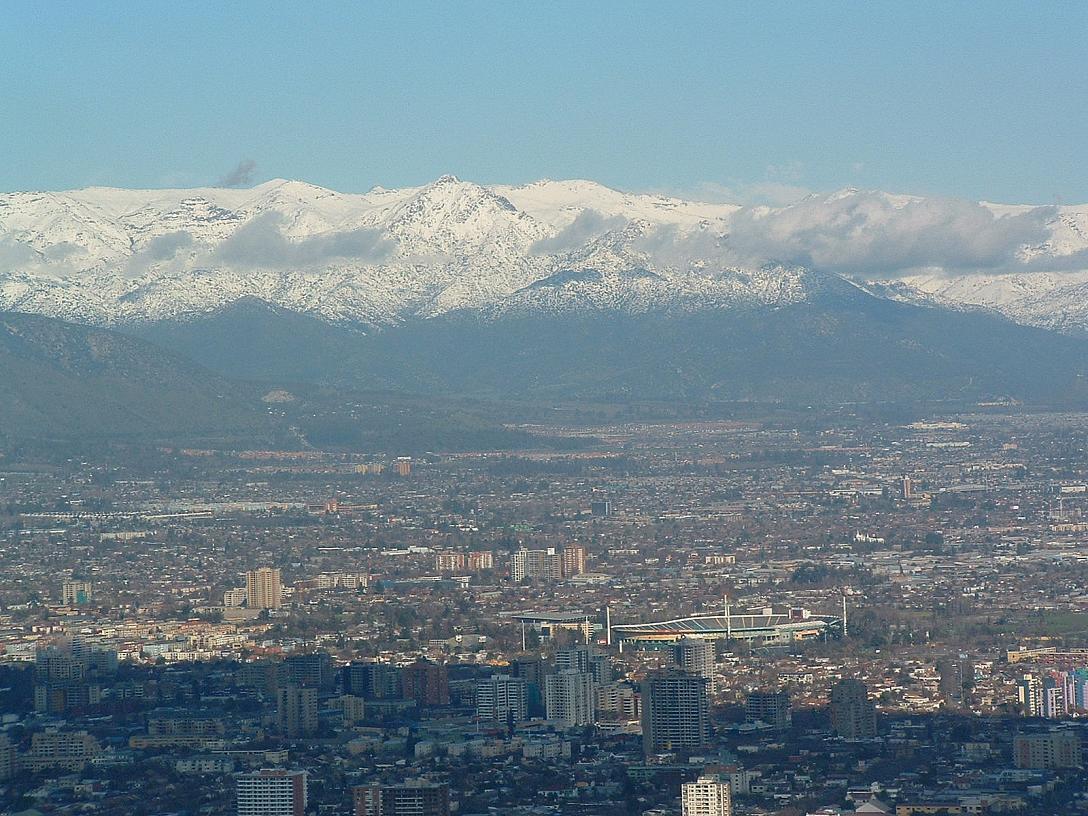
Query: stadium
[{"x": 763, "y": 628}]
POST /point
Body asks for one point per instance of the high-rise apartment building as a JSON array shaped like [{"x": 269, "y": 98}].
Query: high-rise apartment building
[
  {"x": 75, "y": 592},
  {"x": 372, "y": 681},
  {"x": 956, "y": 674},
  {"x": 675, "y": 711},
  {"x": 65, "y": 750},
  {"x": 906, "y": 488},
  {"x": 296, "y": 710},
  {"x": 8, "y": 758},
  {"x": 570, "y": 698},
  {"x": 618, "y": 701},
  {"x": 501, "y": 698},
  {"x": 1029, "y": 690},
  {"x": 426, "y": 682},
  {"x": 769, "y": 707},
  {"x": 271, "y": 792},
  {"x": 1058, "y": 749},
  {"x": 853, "y": 715},
  {"x": 403, "y": 466},
  {"x": 309, "y": 669},
  {"x": 697, "y": 657},
  {"x": 585, "y": 659},
  {"x": 449, "y": 561},
  {"x": 413, "y": 798},
  {"x": 481, "y": 560},
  {"x": 709, "y": 795},
  {"x": 573, "y": 560},
  {"x": 536, "y": 564},
  {"x": 264, "y": 589}
]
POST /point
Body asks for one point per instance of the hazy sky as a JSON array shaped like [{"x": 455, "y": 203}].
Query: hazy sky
[{"x": 720, "y": 100}]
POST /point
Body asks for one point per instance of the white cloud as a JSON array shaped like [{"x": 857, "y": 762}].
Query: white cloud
[
  {"x": 260, "y": 242},
  {"x": 870, "y": 233},
  {"x": 588, "y": 225}
]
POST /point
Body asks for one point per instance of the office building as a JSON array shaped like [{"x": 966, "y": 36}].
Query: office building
[
  {"x": 769, "y": 707},
  {"x": 709, "y": 795},
  {"x": 696, "y": 656},
  {"x": 501, "y": 698},
  {"x": 570, "y": 699},
  {"x": 413, "y": 798},
  {"x": 75, "y": 592},
  {"x": 271, "y": 792},
  {"x": 853, "y": 715},
  {"x": 296, "y": 710},
  {"x": 264, "y": 589},
  {"x": 675, "y": 711}
]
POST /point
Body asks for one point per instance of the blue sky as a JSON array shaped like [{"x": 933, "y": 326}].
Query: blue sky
[{"x": 725, "y": 100}]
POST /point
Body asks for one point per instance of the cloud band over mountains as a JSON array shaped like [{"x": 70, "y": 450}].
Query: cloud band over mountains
[{"x": 868, "y": 234}]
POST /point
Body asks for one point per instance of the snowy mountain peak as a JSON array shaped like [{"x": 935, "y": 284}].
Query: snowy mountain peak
[{"x": 110, "y": 255}]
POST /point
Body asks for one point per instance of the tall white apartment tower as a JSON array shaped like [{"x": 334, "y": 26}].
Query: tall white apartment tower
[
  {"x": 570, "y": 698},
  {"x": 272, "y": 792},
  {"x": 706, "y": 796}
]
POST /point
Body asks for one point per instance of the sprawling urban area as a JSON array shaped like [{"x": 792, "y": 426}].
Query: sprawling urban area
[{"x": 804, "y": 613}]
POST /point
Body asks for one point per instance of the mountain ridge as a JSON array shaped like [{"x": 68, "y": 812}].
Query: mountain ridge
[{"x": 109, "y": 256}]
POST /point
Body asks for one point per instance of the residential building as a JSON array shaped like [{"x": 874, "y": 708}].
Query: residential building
[
  {"x": 426, "y": 682},
  {"x": 675, "y": 711},
  {"x": 413, "y": 798},
  {"x": 709, "y": 795},
  {"x": 9, "y": 759},
  {"x": 481, "y": 560},
  {"x": 501, "y": 698},
  {"x": 296, "y": 710},
  {"x": 853, "y": 715},
  {"x": 75, "y": 592},
  {"x": 264, "y": 588},
  {"x": 696, "y": 656},
  {"x": 570, "y": 698},
  {"x": 769, "y": 707},
  {"x": 66, "y": 750},
  {"x": 573, "y": 560},
  {"x": 536, "y": 564},
  {"x": 271, "y": 792},
  {"x": 1057, "y": 749}
]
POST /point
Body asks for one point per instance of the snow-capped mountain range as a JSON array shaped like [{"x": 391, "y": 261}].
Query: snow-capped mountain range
[{"x": 113, "y": 256}]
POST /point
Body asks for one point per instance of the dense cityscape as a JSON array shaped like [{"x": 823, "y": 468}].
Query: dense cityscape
[
  {"x": 804, "y": 612},
  {"x": 543, "y": 408}
]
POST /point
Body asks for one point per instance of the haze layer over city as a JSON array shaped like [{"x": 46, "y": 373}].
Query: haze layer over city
[{"x": 543, "y": 409}]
